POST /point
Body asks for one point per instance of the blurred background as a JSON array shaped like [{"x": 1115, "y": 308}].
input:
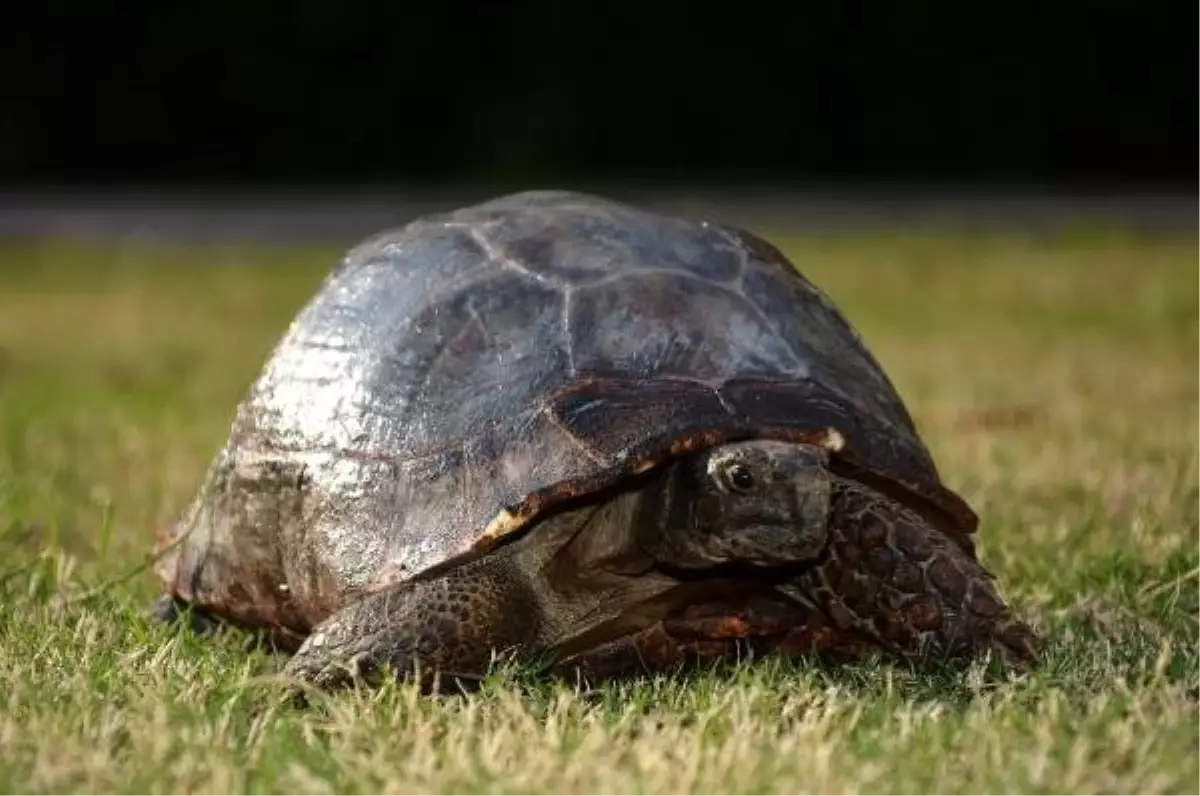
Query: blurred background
[{"x": 317, "y": 119}]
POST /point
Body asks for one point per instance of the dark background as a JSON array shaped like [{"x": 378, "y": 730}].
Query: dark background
[{"x": 321, "y": 91}]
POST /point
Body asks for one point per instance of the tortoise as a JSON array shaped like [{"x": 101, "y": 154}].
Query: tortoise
[{"x": 558, "y": 427}]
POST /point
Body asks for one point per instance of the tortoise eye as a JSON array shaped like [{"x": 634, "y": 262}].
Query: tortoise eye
[{"x": 739, "y": 477}]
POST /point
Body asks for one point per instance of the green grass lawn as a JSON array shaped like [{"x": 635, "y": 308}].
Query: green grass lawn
[{"x": 1055, "y": 379}]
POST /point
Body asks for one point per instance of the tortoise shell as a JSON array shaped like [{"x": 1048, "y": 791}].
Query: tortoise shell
[{"x": 454, "y": 378}]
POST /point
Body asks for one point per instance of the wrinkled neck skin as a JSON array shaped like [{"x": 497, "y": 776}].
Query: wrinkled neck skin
[{"x": 596, "y": 583}]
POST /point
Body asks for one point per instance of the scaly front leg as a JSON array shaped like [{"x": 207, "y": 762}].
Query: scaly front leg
[
  {"x": 449, "y": 625},
  {"x": 893, "y": 577}
]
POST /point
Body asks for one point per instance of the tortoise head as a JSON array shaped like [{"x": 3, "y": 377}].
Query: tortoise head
[{"x": 760, "y": 502}]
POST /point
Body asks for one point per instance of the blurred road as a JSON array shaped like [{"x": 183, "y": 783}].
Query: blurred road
[{"x": 339, "y": 216}]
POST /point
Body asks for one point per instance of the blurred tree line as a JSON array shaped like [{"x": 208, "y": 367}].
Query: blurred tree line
[{"x": 311, "y": 90}]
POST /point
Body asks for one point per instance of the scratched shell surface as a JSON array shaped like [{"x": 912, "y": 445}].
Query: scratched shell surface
[{"x": 447, "y": 369}]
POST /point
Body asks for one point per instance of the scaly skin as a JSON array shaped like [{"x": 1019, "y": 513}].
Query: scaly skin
[
  {"x": 446, "y": 626},
  {"x": 888, "y": 575}
]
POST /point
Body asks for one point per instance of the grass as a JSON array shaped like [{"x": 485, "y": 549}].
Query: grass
[{"x": 1054, "y": 378}]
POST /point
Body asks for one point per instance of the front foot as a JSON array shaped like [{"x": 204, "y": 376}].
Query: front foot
[
  {"x": 451, "y": 627},
  {"x": 911, "y": 587}
]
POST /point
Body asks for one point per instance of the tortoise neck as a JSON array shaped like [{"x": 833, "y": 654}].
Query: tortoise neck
[
  {"x": 599, "y": 535},
  {"x": 666, "y": 505}
]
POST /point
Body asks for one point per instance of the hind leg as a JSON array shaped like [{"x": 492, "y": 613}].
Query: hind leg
[{"x": 171, "y": 610}]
